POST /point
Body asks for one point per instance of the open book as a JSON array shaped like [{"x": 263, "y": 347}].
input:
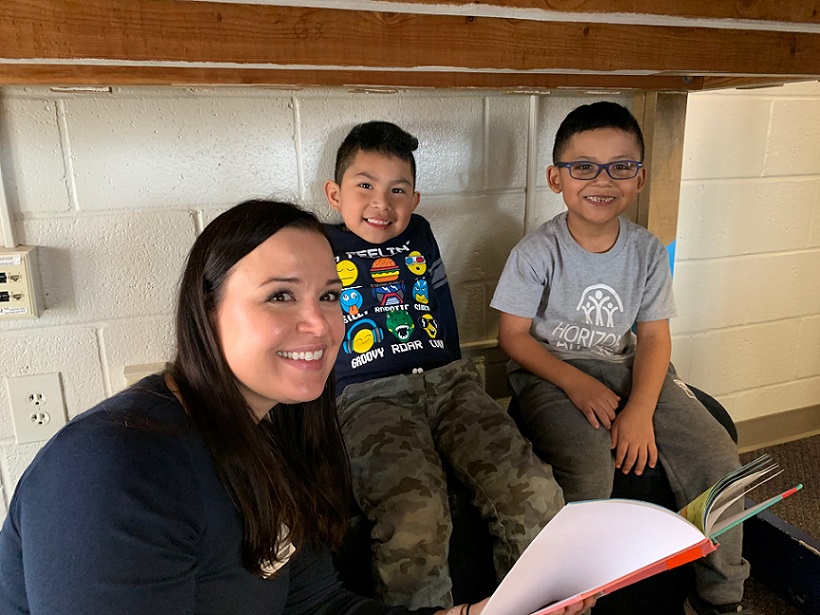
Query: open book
[{"x": 595, "y": 547}]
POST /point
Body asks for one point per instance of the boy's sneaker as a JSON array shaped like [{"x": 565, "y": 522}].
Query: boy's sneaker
[{"x": 697, "y": 606}]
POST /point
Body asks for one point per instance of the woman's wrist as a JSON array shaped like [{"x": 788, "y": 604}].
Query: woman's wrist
[{"x": 459, "y": 609}]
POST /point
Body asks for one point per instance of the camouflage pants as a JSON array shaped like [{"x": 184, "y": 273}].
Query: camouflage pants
[{"x": 397, "y": 429}]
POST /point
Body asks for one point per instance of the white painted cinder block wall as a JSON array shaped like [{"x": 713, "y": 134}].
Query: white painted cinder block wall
[
  {"x": 747, "y": 273},
  {"x": 114, "y": 188}
]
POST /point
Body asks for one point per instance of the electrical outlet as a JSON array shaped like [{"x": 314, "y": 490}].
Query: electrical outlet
[{"x": 37, "y": 406}]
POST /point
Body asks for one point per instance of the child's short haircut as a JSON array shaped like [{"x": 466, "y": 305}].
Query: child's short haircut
[
  {"x": 382, "y": 137},
  {"x": 597, "y": 115}
]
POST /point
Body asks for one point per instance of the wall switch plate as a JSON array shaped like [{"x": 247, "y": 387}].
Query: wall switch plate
[
  {"x": 37, "y": 406},
  {"x": 19, "y": 283}
]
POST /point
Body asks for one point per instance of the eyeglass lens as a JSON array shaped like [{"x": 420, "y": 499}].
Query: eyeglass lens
[{"x": 622, "y": 169}]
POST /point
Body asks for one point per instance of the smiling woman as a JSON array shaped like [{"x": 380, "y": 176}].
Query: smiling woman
[
  {"x": 216, "y": 487},
  {"x": 279, "y": 319}
]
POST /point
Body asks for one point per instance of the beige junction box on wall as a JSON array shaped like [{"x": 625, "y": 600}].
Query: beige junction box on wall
[{"x": 19, "y": 283}]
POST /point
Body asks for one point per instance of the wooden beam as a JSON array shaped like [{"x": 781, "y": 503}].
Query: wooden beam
[
  {"x": 793, "y": 11},
  {"x": 92, "y": 75},
  {"x": 723, "y": 83},
  {"x": 662, "y": 117},
  {"x": 148, "y": 31},
  {"x": 95, "y": 75}
]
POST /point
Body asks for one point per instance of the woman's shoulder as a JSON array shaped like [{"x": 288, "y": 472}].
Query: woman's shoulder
[
  {"x": 147, "y": 408},
  {"x": 141, "y": 429}
]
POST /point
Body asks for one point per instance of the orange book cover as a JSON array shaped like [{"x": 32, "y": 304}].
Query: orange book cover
[
  {"x": 596, "y": 547},
  {"x": 593, "y": 548}
]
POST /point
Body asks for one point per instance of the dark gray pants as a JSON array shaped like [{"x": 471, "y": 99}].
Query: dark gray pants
[{"x": 693, "y": 448}]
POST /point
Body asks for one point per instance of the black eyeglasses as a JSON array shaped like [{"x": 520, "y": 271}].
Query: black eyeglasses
[{"x": 584, "y": 169}]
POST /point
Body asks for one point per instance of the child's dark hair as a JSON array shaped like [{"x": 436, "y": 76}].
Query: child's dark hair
[
  {"x": 382, "y": 137},
  {"x": 596, "y": 115}
]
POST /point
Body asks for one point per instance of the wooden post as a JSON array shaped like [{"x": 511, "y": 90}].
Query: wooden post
[{"x": 662, "y": 117}]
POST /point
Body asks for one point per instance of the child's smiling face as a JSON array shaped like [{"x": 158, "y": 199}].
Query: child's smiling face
[
  {"x": 376, "y": 197},
  {"x": 595, "y": 204}
]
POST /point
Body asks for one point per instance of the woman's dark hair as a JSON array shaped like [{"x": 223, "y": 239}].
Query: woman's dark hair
[
  {"x": 383, "y": 137},
  {"x": 601, "y": 114},
  {"x": 288, "y": 474}
]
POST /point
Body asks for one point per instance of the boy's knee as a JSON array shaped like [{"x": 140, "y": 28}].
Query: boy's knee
[
  {"x": 587, "y": 482},
  {"x": 420, "y": 523}
]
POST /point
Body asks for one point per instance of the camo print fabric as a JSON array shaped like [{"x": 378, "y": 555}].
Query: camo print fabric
[{"x": 397, "y": 431}]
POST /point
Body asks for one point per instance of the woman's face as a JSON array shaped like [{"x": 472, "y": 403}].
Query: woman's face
[{"x": 279, "y": 321}]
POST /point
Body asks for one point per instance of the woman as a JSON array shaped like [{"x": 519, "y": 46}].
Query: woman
[{"x": 215, "y": 487}]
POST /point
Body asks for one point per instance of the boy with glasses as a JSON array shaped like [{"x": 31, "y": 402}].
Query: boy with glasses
[{"x": 595, "y": 396}]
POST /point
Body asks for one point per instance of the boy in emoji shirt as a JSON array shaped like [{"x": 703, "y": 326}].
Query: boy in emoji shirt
[{"x": 407, "y": 400}]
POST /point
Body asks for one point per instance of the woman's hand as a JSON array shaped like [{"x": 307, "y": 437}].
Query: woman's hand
[
  {"x": 573, "y": 609},
  {"x": 577, "y": 608},
  {"x": 474, "y": 608}
]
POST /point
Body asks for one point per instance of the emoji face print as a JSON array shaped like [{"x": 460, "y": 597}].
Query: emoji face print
[
  {"x": 363, "y": 341},
  {"x": 362, "y": 336},
  {"x": 348, "y": 272},
  {"x": 416, "y": 263},
  {"x": 429, "y": 324},
  {"x": 421, "y": 291},
  {"x": 351, "y": 301},
  {"x": 400, "y": 324}
]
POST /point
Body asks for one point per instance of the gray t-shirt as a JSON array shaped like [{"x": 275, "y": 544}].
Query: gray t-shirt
[{"x": 582, "y": 304}]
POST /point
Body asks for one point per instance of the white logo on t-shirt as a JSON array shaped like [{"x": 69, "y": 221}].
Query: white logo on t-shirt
[{"x": 599, "y": 303}]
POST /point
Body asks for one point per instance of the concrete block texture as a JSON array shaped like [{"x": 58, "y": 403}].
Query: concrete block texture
[
  {"x": 471, "y": 302},
  {"x": 726, "y": 136},
  {"x": 737, "y": 217},
  {"x": 728, "y": 292},
  {"x": 772, "y": 399},
  {"x": 475, "y": 233},
  {"x": 745, "y": 275},
  {"x": 146, "y": 150},
  {"x": 742, "y": 358},
  {"x": 794, "y": 140},
  {"x": 808, "y": 348},
  {"x": 102, "y": 267},
  {"x": 32, "y": 156},
  {"x": 505, "y": 147}
]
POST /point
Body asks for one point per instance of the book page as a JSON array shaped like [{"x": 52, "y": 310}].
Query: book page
[
  {"x": 587, "y": 546},
  {"x": 701, "y": 511},
  {"x": 732, "y": 494}
]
